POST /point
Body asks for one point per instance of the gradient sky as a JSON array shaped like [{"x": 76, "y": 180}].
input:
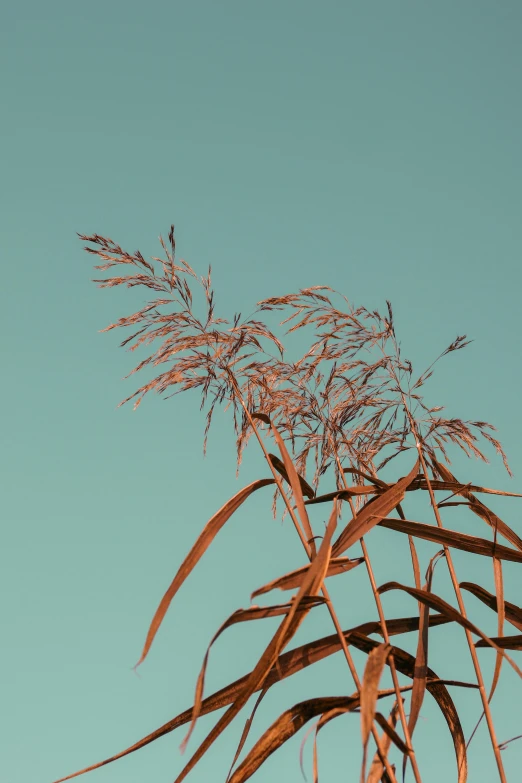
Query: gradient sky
[{"x": 374, "y": 147}]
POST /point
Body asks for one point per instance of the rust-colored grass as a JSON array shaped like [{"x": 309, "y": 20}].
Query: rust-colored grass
[{"x": 346, "y": 408}]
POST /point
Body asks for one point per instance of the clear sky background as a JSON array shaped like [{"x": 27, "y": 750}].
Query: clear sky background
[{"x": 374, "y": 147}]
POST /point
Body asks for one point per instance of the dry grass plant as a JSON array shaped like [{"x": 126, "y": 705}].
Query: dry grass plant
[{"x": 347, "y": 408}]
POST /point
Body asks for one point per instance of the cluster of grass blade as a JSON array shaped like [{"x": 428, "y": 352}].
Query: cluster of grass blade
[{"x": 350, "y": 405}]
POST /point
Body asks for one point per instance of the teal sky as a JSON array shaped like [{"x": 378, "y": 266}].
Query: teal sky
[{"x": 374, "y": 147}]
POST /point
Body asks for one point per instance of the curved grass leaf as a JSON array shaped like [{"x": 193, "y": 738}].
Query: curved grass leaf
[
  {"x": 306, "y": 489},
  {"x": 369, "y": 690},
  {"x": 246, "y": 731},
  {"x": 494, "y": 522},
  {"x": 310, "y": 586},
  {"x": 242, "y": 616},
  {"x": 377, "y": 767},
  {"x": 501, "y": 615},
  {"x": 293, "y": 579},
  {"x": 457, "y": 488},
  {"x": 389, "y": 733},
  {"x": 288, "y": 724},
  {"x": 343, "y": 494},
  {"x": 441, "y": 535},
  {"x": 513, "y": 613},
  {"x": 421, "y": 657},
  {"x": 370, "y": 514},
  {"x": 405, "y": 664},
  {"x": 297, "y": 490},
  {"x": 441, "y": 606},
  {"x": 505, "y": 642},
  {"x": 372, "y": 479},
  {"x": 297, "y": 483},
  {"x": 480, "y": 509},
  {"x": 325, "y": 718},
  {"x": 416, "y": 484},
  {"x": 206, "y": 537}
]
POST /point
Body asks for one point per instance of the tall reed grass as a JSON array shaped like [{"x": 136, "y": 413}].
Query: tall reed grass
[{"x": 340, "y": 413}]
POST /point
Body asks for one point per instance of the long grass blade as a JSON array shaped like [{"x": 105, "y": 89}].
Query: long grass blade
[
  {"x": 293, "y": 579},
  {"x": 246, "y": 732},
  {"x": 343, "y": 494},
  {"x": 206, "y": 537},
  {"x": 405, "y": 664},
  {"x": 389, "y": 733},
  {"x": 439, "y": 535},
  {"x": 369, "y": 690},
  {"x": 288, "y": 724},
  {"x": 241, "y": 616},
  {"x": 370, "y": 514},
  {"x": 416, "y": 484},
  {"x": 480, "y": 509},
  {"x": 310, "y": 586},
  {"x": 377, "y": 767},
  {"x": 501, "y": 616},
  {"x": 372, "y": 479},
  {"x": 306, "y": 489},
  {"x": 435, "y": 602},
  {"x": 504, "y": 642},
  {"x": 325, "y": 718},
  {"x": 512, "y": 612},
  {"x": 297, "y": 489},
  {"x": 421, "y": 658},
  {"x": 458, "y": 488}
]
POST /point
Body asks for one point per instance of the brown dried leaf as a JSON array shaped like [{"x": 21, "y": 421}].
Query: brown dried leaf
[
  {"x": 288, "y": 724},
  {"x": 405, "y": 664},
  {"x": 399, "y": 625},
  {"x": 421, "y": 658},
  {"x": 480, "y": 509},
  {"x": 505, "y": 642},
  {"x": 285, "y": 727},
  {"x": 246, "y": 732},
  {"x": 241, "y": 616},
  {"x": 435, "y": 602},
  {"x": 296, "y": 488},
  {"x": 343, "y": 494},
  {"x": 373, "y": 479},
  {"x": 377, "y": 767},
  {"x": 310, "y": 586},
  {"x": 389, "y": 732},
  {"x": 206, "y": 537},
  {"x": 501, "y": 616},
  {"x": 457, "y": 488},
  {"x": 293, "y": 579},
  {"x": 494, "y": 522},
  {"x": 325, "y": 718},
  {"x": 306, "y": 489},
  {"x": 261, "y": 416},
  {"x": 373, "y": 512},
  {"x": 478, "y": 546},
  {"x": 513, "y": 613},
  {"x": 369, "y": 690},
  {"x": 414, "y": 558}
]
